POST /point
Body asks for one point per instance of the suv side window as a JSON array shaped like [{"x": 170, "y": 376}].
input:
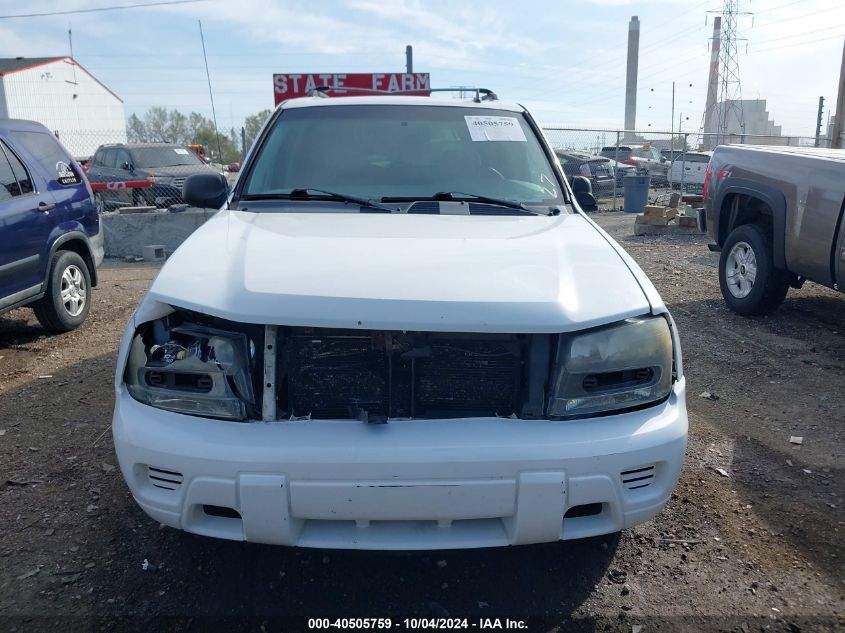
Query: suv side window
[
  {"x": 122, "y": 159},
  {"x": 55, "y": 162},
  {"x": 14, "y": 179},
  {"x": 108, "y": 157}
]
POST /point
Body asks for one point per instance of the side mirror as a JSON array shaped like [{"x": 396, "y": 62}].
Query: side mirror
[
  {"x": 581, "y": 184},
  {"x": 207, "y": 191},
  {"x": 586, "y": 201},
  {"x": 127, "y": 167},
  {"x": 583, "y": 190}
]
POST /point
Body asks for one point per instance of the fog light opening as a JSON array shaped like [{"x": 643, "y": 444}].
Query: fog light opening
[
  {"x": 585, "y": 510},
  {"x": 221, "y": 511}
]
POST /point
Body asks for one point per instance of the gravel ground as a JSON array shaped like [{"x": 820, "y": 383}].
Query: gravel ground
[{"x": 758, "y": 549}]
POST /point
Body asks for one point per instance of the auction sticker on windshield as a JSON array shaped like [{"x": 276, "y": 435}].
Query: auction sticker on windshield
[{"x": 494, "y": 128}]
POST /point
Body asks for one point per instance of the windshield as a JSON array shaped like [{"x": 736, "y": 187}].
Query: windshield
[
  {"x": 166, "y": 156},
  {"x": 386, "y": 151}
]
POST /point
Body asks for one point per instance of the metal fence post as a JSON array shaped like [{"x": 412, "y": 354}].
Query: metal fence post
[
  {"x": 616, "y": 168},
  {"x": 684, "y": 165}
]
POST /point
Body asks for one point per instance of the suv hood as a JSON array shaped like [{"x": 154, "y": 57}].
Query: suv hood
[{"x": 406, "y": 272}]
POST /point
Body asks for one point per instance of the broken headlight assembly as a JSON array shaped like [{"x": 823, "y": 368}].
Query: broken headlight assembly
[
  {"x": 191, "y": 369},
  {"x": 623, "y": 366}
]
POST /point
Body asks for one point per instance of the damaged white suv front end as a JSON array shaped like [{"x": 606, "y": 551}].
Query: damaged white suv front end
[{"x": 416, "y": 370}]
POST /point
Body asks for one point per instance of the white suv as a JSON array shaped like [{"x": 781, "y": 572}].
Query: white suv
[{"x": 400, "y": 332}]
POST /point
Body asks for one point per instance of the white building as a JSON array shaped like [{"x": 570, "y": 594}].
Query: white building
[
  {"x": 61, "y": 94},
  {"x": 748, "y": 121}
]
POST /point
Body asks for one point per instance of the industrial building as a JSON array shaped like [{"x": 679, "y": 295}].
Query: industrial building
[
  {"x": 746, "y": 117},
  {"x": 62, "y": 95}
]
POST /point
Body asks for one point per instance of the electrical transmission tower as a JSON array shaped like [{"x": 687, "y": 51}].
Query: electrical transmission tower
[{"x": 730, "y": 118}]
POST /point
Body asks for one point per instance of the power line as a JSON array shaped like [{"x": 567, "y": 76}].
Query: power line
[
  {"x": 96, "y": 9},
  {"x": 775, "y": 48},
  {"x": 794, "y": 35}
]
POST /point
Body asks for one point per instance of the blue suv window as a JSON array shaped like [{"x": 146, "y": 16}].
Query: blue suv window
[
  {"x": 14, "y": 180},
  {"x": 50, "y": 155}
]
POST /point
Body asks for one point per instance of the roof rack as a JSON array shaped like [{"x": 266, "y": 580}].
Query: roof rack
[{"x": 481, "y": 94}]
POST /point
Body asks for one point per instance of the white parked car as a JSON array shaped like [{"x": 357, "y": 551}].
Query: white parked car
[
  {"x": 400, "y": 332},
  {"x": 689, "y": 169}
]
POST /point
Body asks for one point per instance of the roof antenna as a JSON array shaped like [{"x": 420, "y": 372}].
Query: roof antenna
[
  {"x": 70, "y": 44},
  {"x": 210, "y": 94}
]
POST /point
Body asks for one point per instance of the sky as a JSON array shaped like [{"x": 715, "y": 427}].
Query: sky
[{"x": 564, "y": 60}]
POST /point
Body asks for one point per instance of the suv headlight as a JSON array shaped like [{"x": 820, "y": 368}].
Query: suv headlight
[
  {"x": 191, "y": 369},
  {"x": 625, "y": 365}
]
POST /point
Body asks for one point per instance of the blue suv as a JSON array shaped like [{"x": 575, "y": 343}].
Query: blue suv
[{"x": 50, "y": 237}]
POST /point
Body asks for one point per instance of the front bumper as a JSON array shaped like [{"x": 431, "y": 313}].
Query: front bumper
[{"x": 418, "y": 484}]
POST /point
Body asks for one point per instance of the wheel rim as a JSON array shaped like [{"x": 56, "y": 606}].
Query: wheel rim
[
  {"x": 74, "y": 291},
  {"x": 741, "y": 270}
]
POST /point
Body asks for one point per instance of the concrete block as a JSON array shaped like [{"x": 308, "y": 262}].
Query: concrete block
[
  {"x": 154, "y": 253},
  {"x": 653, "y": 220},
  {"x": 674, "y": 199},
  {"x": 128, "y": 210},
  {"x": 127, "y": 235},
  {"x": 654, "y": 211},
  {"x": 687, "y": 222}
]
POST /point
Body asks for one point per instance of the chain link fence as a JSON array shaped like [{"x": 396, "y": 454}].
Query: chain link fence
[
  {"x": 145, "y": 175},
  {"x": 150, "y": 174},
  {"x": 673, "y": 161}
]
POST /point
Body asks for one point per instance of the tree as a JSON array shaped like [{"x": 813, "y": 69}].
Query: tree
[
  {"x": 160, "y": 125},
  {"x": 136, "y": 131},
  {"x": 252, "y": 126}
]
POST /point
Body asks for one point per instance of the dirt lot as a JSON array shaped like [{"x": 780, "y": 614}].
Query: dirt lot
[{"x": 759, "y": 549}]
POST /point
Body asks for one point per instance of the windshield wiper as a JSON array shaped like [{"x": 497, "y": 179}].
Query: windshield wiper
[
  {"x": 369, "y": 203},
  {"x": 509, "y": 204}
]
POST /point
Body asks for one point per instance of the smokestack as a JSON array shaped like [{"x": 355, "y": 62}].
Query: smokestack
[
  {"x": 631, "y": 77},
  {"x": 713, "y": 81}
]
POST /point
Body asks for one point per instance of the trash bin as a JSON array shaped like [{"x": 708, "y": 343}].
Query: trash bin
[{"x": 635, "y": 193}]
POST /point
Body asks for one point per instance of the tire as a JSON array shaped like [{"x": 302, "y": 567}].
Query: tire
[
  {"x": 68, "y": 298},
  {"x": 750, "y": 283}
]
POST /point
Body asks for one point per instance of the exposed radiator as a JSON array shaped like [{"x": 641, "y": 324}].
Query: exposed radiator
[{"x": 377, "y": 374}]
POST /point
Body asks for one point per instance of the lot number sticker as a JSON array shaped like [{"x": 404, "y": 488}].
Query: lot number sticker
[
  {"x": 494, "y": 128},
  {"x": 179, "y": 150}
]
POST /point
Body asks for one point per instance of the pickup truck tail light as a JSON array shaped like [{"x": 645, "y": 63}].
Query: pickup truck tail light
[
  {"x": 706, "y": 181},
  {"x": 629, "y": 161}
]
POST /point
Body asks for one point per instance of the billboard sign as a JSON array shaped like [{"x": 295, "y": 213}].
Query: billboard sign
[{"x": 290, "y": 85}]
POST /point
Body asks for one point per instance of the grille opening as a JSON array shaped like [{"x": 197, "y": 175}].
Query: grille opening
[
  {"x": 164, "y": 479},
  {"x": 221, "y": 511},
  {"x": 374, "y": 374},
  {"x": 585, "y": 510},
  {"x": 636, "y": 478},
  {"x": 614, "y": 379},
  {"x": 180, "y": 381}
]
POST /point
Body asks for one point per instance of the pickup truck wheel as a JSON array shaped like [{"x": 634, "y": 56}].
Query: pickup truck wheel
[
  {"x": 68, "y": 298},
  {"x": 749, "y": 281}
]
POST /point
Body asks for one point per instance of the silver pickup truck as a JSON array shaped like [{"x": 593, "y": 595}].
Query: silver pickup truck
[{"x": 776, "y": 216}]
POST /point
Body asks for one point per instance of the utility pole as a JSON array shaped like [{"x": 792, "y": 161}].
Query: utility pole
[
  {"x": 819, "y": 121},
  {"x": 839, "y": 121},
  {"x": 409, "y": 59},
  {"x": 672, "y": 136}
]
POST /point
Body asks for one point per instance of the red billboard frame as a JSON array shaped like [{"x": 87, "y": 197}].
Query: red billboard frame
[{"x": 290, "y": 85}]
